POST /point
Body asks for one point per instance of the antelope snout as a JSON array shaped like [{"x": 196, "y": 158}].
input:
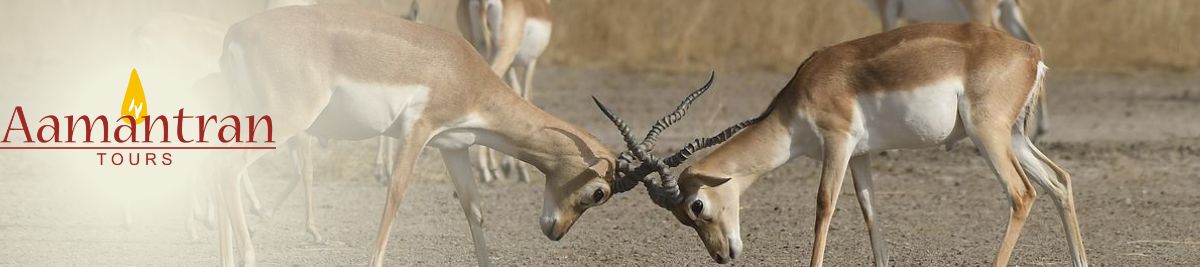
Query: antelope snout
[
  {"x": 723, "y": 248},
  {"x": 548, "y": 228}
]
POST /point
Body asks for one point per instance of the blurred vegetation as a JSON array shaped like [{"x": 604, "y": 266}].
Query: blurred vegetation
[{"x": 666, "y": 35}]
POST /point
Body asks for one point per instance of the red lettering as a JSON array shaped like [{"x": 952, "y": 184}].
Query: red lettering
[{"x": 18, "y": 113}]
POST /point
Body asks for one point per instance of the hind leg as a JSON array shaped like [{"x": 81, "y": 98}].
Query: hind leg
[
  {"x": 860, "y": 169},
  {"x": 991, "y": 136},
  {"x": 1057, "y": 183}
]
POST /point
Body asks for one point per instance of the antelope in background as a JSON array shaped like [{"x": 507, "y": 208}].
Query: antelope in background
[
  {"x": 917, "y": 86},
  {"x": 1003, "y": 14},
  {"x": 511, "y": 34},
  {"x": 180, "y": 49},
  {"x": 422, "y": 85}
]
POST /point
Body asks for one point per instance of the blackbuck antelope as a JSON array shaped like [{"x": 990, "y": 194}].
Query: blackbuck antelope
[
  {"x": 512, "y": 34},
  {"x": 916, "y": 86},
  {"x": 346, "y": 72},
  {"x": 1004, "y": 14}
]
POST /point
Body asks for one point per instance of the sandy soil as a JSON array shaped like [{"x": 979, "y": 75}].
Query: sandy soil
[{"x": 1131, "y": 142}]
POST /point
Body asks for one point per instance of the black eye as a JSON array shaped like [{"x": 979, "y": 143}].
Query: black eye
[
  {"x": 598, "y": 196},
  {"x": 697, "y": 207}
]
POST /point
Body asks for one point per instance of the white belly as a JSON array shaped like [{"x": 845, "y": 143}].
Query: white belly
[
  {"x": 912, "y": 118},
  {"x": 364, "y": 110}
]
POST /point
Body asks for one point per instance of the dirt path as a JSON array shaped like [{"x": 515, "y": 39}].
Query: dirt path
[{"x": 1131, "y": 142}]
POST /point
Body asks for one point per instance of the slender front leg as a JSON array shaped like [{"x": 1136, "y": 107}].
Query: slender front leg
[
  {"x": 527, "y": 87},
  {"x": 383, "y": 160},
  {"x": 193, "y": 205},
  {"x": 507, "y": 165},
  {"x": 305, "y": 150},
  {"x": 891, "y": 14},
  {"x": 485, "y": 165},
  {"x": 833, "y": 171},
  {"x": 225, "y": 230},
  {"x": 231, "y": 201},
  {"x": 458, "y": 162},
  {"x": 488, "y": 19},
  {"x": 860, "y": 169},
  {"x": 410, "y": 149},
  {"x": 248, "y": 189},
  {"x": 493, "y": 31},
  {"x": 1012, "y": 21},
  {"x": 527, "y": 93},
  {"x": 513, "y": 81},
  {"x": 297, "y": 160}
]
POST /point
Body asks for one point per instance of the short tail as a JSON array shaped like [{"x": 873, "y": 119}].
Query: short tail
[{"x": 1035, "y": 96}]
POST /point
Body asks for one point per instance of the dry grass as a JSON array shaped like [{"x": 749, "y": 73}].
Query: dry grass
[
  {"x": 1094, "y": 35},
  {"x": 672, "y": 35}
]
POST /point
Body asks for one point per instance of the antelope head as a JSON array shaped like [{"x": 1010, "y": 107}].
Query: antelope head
[{"x": 696, "y": 200}]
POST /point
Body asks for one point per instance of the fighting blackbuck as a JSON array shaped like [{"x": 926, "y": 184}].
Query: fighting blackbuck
[
  {"x": 917, "y": 86},
  {"x": 352, "y": 73}
]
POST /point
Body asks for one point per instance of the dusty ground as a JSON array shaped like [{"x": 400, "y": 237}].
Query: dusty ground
[{"x": 1131, "y": 142}]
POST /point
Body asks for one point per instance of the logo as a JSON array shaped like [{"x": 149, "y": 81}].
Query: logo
[
  {"x": 137, "y": 137},
  {"x": 134, "y": 104}
]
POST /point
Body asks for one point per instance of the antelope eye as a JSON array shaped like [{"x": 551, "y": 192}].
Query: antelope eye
[
  {"x": 598, "y": 196},
  {"x": 697, "y": 207}
]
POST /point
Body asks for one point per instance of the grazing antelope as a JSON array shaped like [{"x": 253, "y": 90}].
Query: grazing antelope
[
  {"x": 352, "y": 73},
  {"x": 1004, "y": 14},
  {"x": 916, "y": 86},
  {"x": 512, "y": 34}
]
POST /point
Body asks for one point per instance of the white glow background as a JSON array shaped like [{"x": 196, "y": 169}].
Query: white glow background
[{"x": 67, "y": 57}]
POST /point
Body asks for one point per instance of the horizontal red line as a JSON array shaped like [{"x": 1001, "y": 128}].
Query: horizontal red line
[{"x": 133, "y": 147}]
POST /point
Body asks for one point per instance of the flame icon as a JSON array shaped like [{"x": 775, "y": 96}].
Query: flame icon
[{"x": 134, "y": 104}]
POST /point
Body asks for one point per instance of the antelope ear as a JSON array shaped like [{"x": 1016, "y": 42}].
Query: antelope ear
[
  {"x": 601, "y": 168},
  {"x": 712, "y": 181}
]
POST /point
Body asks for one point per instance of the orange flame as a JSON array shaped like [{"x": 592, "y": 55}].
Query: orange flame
[{"x": 134, "y": 104}]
